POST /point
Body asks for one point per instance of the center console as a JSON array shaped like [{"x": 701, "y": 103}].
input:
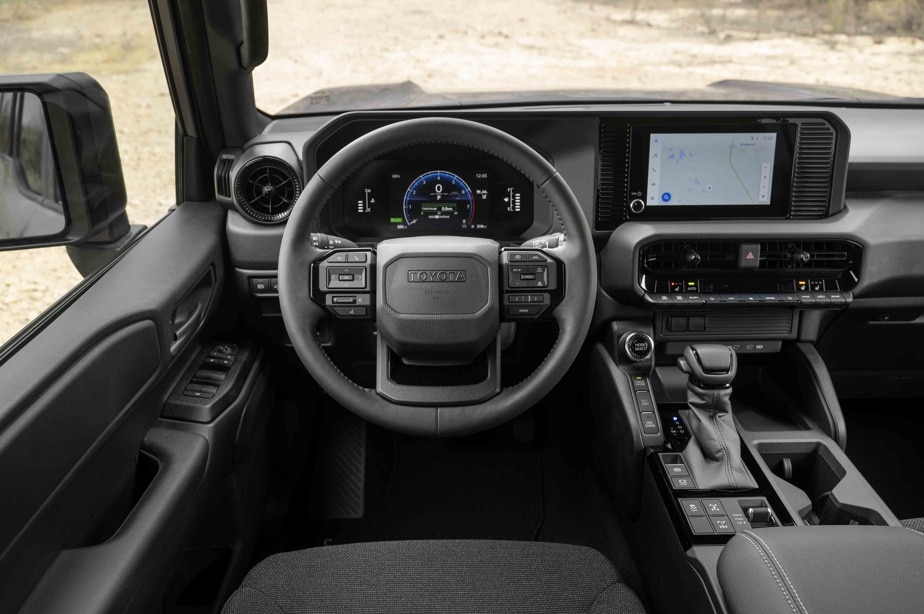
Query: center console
[{"x": 785, "y": 412}]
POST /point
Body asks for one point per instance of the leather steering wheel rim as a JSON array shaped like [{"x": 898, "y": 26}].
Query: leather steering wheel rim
[{"x": 573, "y": 314}]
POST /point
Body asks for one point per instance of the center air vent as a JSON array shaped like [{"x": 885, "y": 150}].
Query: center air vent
[
  {"x": 266, "y": 190},
  {"x": 786, "y": 257}
]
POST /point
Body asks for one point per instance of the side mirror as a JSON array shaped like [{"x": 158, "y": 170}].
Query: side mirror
[{"x": 61, "y": 177}]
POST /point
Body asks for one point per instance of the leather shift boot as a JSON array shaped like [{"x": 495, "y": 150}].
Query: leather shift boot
[{"x": 713, "y": 455}]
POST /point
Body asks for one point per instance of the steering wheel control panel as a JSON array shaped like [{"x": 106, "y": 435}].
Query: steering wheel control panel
[
  {"x": 532, "y": 283},
  {"x": 804, "y": 274},
  {"x": 343, "y": 283}
]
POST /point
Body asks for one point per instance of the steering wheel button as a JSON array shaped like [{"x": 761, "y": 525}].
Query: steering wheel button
[
  {"x": 356, "y": 257},
  {"x": 344, "y": 300},
  {"x": 345, "y": 277},
  {"x": 338, "y": 257},
  {"x": 518, "y": 257},
  {"x": 351, "y": 312},
  {"x": 525, "y": 310},
  {"x": 537, "y": 258}
]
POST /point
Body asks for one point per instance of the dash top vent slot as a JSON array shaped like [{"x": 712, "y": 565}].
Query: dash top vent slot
[{"x": 813, "y": 170}]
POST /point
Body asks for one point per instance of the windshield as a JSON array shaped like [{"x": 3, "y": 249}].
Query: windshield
[{"x": 438, "y": 53}]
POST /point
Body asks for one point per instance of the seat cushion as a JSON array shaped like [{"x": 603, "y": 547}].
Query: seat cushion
[{"x": 435, "y": 576}]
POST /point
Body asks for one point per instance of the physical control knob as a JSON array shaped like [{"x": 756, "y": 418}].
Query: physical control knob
[
  {"x": 637, "y": 346},
  {"x": 759, "y": 515},
  {"x": 637, "y": 205},
  {"x": 799, "y": 256},
  {"x": 691, "y": 258}
]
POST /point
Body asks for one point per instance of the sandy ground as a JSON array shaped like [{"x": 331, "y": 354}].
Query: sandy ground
[{"x": 488, "y": 45}]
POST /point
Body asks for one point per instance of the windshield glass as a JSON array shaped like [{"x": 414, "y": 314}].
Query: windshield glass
[{"x": 662, "y": 49}]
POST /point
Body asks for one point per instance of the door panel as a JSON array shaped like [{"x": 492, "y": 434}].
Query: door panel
[{"x": 77, "y": 401}]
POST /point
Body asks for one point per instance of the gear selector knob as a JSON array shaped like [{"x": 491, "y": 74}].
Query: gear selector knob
[{"x": 709, "y": 365}]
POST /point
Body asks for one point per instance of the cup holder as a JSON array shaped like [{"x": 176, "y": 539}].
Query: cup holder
[{"x": 811, "y": 474}]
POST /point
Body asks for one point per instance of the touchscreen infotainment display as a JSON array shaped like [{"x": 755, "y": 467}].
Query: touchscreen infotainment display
[{"x": 710, "y": 169}]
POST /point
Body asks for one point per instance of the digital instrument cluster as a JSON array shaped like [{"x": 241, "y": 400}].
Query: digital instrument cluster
[{"x": 394, "y": 198}]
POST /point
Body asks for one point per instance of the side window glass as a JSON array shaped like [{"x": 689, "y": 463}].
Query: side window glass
[{"x": 6, "y": 121}]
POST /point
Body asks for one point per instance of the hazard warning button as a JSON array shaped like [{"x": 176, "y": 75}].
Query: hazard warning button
[{"x": 748, "y": 255}]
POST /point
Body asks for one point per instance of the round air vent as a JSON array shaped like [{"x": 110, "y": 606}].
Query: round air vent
[{"x": 266, "y": 190}]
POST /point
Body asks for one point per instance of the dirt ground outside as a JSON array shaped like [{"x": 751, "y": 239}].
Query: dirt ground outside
[{"x": 519, "y": 44}]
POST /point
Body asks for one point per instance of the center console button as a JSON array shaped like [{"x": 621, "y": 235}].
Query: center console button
[
  {"x": 692, "y": 507},
  {"x": 644, "y": 402},
  {"x": 700, "y": 525},
  {"x": 683, "y": 483},
  {"x": 649, "y": 423},
  {"x": 713, "y": 507},
  {"x": 678, "y": 470},
  {"x": 640, "y": 382},
  {"x": 722, "y": 524}
]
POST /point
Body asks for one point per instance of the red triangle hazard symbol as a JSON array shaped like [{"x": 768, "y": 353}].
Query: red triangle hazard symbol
[{"x": 750, "y": 256}]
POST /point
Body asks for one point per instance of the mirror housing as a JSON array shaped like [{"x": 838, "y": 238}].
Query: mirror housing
[{"x": 85, "y": 154}]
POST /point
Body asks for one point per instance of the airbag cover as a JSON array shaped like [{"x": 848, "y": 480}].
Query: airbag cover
[{"x": 437, "y": 299}]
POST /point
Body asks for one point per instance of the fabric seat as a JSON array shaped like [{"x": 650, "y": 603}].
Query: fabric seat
[{"x": 435, "y": 576}]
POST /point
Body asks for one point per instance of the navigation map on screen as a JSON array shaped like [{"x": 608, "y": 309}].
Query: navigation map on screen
[{"x": 733, "y": 168}]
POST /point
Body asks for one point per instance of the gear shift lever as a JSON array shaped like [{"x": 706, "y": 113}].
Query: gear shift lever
[{"x": 714, "y": 453}]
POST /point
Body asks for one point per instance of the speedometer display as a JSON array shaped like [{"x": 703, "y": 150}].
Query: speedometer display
[
  {"x": 435, "y": 196},
  {"x": 439, "y": 199}
]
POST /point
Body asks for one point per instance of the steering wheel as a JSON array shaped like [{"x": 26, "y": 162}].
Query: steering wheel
[{"x": 438, "y": 301}]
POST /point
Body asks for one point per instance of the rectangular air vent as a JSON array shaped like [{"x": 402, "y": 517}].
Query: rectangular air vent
[
  {"x": 675, "y": 255},
  {"x": 812, "y": 171},
  {"x": 613, "y": 178},
  {"x": 818, "y": 255},
  {"x": 781, "y": 256},
  {"x": 223, "y": 177}
]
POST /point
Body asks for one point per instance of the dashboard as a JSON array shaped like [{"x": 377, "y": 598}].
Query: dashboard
[{"x": 825, "y": 201}]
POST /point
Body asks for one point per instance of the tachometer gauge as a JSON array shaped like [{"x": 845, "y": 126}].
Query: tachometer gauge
[{"x": 439, "y": 199}]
